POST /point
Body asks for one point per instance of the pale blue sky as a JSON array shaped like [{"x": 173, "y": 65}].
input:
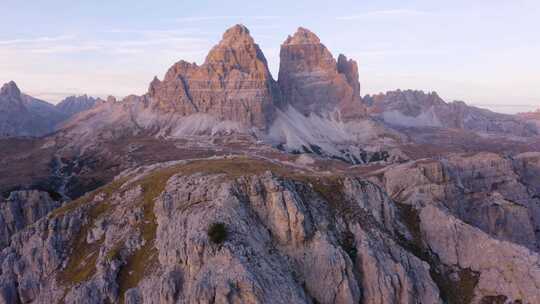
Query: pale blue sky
[{"x": 484, "y": 52}]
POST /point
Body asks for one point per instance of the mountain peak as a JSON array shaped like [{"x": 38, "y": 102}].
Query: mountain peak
[
  {"x": 10, "y": 89},
  {"x": 233, "y": 84},
  {"x": 237, "y": 36},
  {"x": 312, "y": 81},
  {"x": 239, "y": 30},
  {"x": 303, "y": 36},
  {"x": 238, "y": 48},
  {"x": 74, "y": 104}
]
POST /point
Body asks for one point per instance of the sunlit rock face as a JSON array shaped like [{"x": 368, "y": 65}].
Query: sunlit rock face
[
  {"x": 312, "y": 81},
  {"x": 233, "y": 83}
]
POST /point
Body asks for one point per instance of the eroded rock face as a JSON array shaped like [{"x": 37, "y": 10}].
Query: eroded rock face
[
  {"x": 475, "y": 212},
  {"x": 418, "y": 109},
  {"x": 484, "y": 190},
  {"x": 312, "y": 81},
  {"x": 144, "y": 239},
  {"x": 284, "y": 245},
  {"x": 503, "y": 268},
  {"x": 233, "y": 83},
  {"x": 74, "y": 104},
  {"x": 23, "y": 115},
  {"x": 23, "y": 208}
]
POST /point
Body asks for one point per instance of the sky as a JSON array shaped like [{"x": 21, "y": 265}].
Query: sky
[{"x": 486, "y": 53}]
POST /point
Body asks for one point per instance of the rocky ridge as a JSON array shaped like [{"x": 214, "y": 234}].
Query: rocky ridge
[
  {"x": 75, "y": 104},
  {"x": 532, "y": 117},
  {"x": 143, "y": 239},
  {"x": 417, "y": 109},
  {"x": 23, "y": 115},
  {"x": 21, "y": 209},
  {"x": 233, "y": 93}
]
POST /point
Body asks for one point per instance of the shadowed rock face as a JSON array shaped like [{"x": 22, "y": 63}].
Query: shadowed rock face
[
  {"x": 144, "y": 238},
  {"x": 312, "y": 81},
  {"x": 10, "y": 99},
  {"x": 23, "y": 115},
  {"x": 410, "y": 108},
  {"x": 75, "y": 104},
  {"x": 234, "y": 83},
  {"x": 23, "y": 208}
]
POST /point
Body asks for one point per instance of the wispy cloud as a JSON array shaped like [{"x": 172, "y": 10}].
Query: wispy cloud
[
  {"x": 400, "y": 52},
  {"x": 217, "y": 18},
  {"x": 385, "y": 13},
  {"x": 15, "y": 42},
  {"x": 159, "y": 32},
  {"x": 64, "y": 48},
  {"x": 140, "y": 41}
]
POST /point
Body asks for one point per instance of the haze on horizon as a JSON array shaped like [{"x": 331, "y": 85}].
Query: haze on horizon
[{"x": 485, "y": 53}]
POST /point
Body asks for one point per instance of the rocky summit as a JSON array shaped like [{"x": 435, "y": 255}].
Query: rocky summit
[
  {"x": 233, "y": 83},
  {"x": 75, "y": 104},
  {"x": 23, "y": 115},
  {"x": 223, "y": 185},
  {"x": 312, "y": 81}
]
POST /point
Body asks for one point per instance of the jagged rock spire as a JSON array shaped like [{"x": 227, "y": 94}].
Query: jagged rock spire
[
  {"x": 10, "y": 89},
  {"x": 312, "y": 81},
  {"x": 302, "y": 36},
  {"x": 234, "y": 83}
]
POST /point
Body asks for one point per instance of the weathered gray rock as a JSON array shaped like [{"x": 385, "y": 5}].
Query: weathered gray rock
[
  {"x": 75, "y": 104},
  {"x": 144, "y": 239},
  {"x": 482, "y": 189},
  {"x": 411, "y": 108},
  {"x": 504, "y": 268},
  {"x": 23, "y": 115},
  {"x": 23, "y": 208}
]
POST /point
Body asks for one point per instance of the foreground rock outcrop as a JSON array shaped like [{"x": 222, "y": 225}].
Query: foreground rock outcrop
[
  {"x": 288, "y": 236},
  {"x": 21, "y": 209}
]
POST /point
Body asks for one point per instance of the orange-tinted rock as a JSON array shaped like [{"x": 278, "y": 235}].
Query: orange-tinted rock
[
  {"x": 234, "y": 83},
  {"x": 311, "y": 80}
]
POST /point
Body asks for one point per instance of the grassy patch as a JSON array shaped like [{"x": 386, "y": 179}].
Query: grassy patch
[
  {"x": 142, "y": 260},
  {"x": 460, "y": 291},
  {"x": 153, "y": 184},
  {"x": 81, "y": 265},
  {"x": 107, "y": 190},
  {"x": 456, "y": 292},
  {"x": 83, "y": 257},
  {"x": 82, "y": 261},
  {"x": 114, "y": 253}
]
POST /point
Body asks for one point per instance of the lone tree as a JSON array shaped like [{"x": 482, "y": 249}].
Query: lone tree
[{"x": 217, "y": 233}]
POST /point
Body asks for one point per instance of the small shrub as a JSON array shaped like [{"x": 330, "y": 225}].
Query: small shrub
[
  {"x": 348, "y": 244},
  {"x": 217, "y": 233}
]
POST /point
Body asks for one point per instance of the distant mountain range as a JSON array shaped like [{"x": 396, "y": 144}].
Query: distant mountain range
[
  {"x": 24, "y": 115},
  {"x": 418, "y": 109}
]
